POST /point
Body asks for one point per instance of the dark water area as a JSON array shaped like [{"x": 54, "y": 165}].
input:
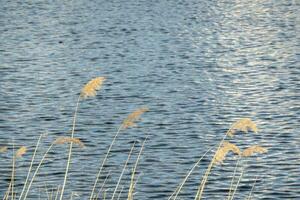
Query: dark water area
[{"x": 197, "y": 65}]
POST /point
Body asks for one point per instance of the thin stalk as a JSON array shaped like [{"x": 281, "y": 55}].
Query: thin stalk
[
  {"x": 13, "y": 173},
  {"x": 103, "y": 162},
  {"x": 7, "y": 192},
  {"x": 70, "y": 150},
  {"x": 177, "y": 191},
  {"x": 29, "y": 170},
  {"x": 120, "y": 193},
  {"x": 250, "y": 194},
  {"x": 237, "y": 184},
  {"x": 131, "y": 187},
  {"x": 57, "y": 192},
  {"x": 121, "y": 175},
  {"x": 37, "y": 170},
  {"x": 103, "y": 184},
  {"x": 232, "y": 180},
  {"x": 203, "y": 182}
]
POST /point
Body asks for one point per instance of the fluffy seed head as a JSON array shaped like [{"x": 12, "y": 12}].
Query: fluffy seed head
[
  {"x": 254, "y": 149},
  {"x": 3, "y": 149},
  {"x": 244, "y": 125},
  {"x": 90, "y": 89},
  {"x": 21, "y": 151},
  {"x": 63, "y": 140},
  {"x": 220, "y": 155},
  {"x": 133, "y": 117}
]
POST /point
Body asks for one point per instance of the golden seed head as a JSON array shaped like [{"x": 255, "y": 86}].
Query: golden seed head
[
  {"x": 244, "y": 125},
  {"x": 254, "y": 149},
  {"x": 21, "y": 151},
  {"x": 90, "y": 89},
  {"x": 220, "y": 155},
  {"x": 63, "y": 140},
  {"x": 3, "y": 149},
  {"x": 232, "y": 147},
  {"x": 133, "y": 117}
]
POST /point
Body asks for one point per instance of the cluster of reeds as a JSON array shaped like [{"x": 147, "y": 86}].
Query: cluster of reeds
[
  {"x": 225, "y": 147},
  {"x": 89, "y": 90},
  {"x": 96, "y": 190}
]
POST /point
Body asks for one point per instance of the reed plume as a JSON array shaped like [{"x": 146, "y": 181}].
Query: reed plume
[
  {"x": 21, "y": 151},
  {"x": 64, "y": 140},
  {"x": 254, "y": 149},
  {"x": 3, "y": 149},
  {"x": 133, "y": 117},
  {"x": 222, "y": 152},
  {"x": 243, "y": 125},
  {"x": 90, "y": 89}
]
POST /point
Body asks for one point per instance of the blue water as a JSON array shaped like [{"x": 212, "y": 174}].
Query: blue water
[{"x": 197, "y": 65}]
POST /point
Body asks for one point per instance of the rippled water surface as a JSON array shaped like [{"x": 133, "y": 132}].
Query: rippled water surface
[{"x": 198, "y": 66}]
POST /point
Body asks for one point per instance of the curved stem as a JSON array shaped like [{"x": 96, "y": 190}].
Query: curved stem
[
  {"x": 103, "y": 162},
  {"x": 29, "y": 170},
  {"x": 187, "y": 176},
  {"x": 125, "y": 165},
  {"x": 237, "y": 184},
  {"x": 132, "y": 184},
  {"x": 231, "y": 184},
  {"x": 70, "y": 150},
  {"x": 250, "y": 194},
  {"x": 37, "y": 169},
  {"x": 204, "y": 180}
]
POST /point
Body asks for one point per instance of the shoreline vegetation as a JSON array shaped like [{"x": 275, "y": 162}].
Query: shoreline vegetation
[{"x": 219, "y": 154}]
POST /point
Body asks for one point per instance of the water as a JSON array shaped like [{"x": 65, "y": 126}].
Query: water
[{"x": 198, "y": 66}]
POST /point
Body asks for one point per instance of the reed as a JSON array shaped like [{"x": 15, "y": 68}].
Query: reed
[
  {"x": 243, "y": 125},
  {"x": 30, "y": 167},
  {"x": 132, "y": 182},
  {"x": 178, "y": 189},
  {"x": 127, "y": 122},
  {"x": 123, "y": 170},
  {"x": 89, "y": 90}
]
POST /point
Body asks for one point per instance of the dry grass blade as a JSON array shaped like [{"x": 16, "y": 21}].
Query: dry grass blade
[
  {"x": 3, "y": 149},
  {"x": 254, "y": 149},
  {"x": 244, "y": 125},
  {"x": 21, "y": 151},
  {"x": 133, "y": 117},
  {"x": 132, "y": 182},
  {"x": 237, "y": 184},
  {"x": 222, "y": 152},
  {"x": 125, "y": 165},
  {"x": 31, "y": 164},
  {"x": 90, "y": 89},
  {"x": 178, "y": 189},
  {"x": 37, "y": 170},
  {"x": 250, "y": 194},
  {"x": 232, "y": 180},
  {"x": 64, "y": 140}
]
